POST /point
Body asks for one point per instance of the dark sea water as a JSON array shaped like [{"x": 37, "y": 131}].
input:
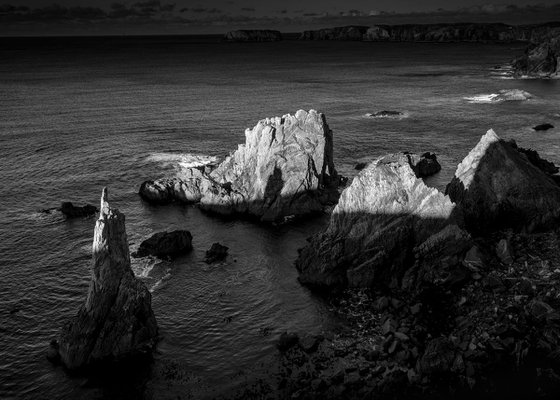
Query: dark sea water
[{"x": 80, "y": 114}]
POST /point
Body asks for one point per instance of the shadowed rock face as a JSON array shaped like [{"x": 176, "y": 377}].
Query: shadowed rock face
[
  {"x": 116, "y": 320},
  {"x": 379, "y": 221},
  {"x": 284, "y": 168},
  {"x": 497, "y": 187},
  {"x": 166, "y": 244}
]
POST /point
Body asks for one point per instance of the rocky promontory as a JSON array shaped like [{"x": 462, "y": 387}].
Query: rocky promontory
[
  {"x": 541, "y": 58},
  {"x": 384, "y": 221},
  {"x": 116, "y": 320},
  {"x": 253, "y": 35},
  {"x": 455, "y": 299},
  {"x": 452, "y": 32},
  {"x": 390, "y": 230},
  {"x": 285, "y": 168}
]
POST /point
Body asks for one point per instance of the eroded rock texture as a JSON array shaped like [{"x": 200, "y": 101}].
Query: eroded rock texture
[
  {"x": 374, "y": 231},
  {"x": 285, "y": 168},
  {"x": 497, "y": 186},
  {"x": 116, "y": 320}
]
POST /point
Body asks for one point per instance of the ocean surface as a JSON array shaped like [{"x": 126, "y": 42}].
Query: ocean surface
[{"x": 77, "y": 114}]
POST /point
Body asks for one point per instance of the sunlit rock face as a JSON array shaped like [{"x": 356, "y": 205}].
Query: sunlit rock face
[
  {"x": 379, "y": 221},
  {"x": 497, "y": 187},
  {"x": 116, "y": 320},
  {"x": 284, "y": 168}
]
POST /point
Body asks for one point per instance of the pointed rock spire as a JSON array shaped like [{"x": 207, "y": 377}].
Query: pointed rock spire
[{"x": 116, "y": 320}]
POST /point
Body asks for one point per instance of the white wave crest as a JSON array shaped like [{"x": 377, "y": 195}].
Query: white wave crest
[
  {"x": 182, "y": 160},
  {"x": 503, "y": 95}
]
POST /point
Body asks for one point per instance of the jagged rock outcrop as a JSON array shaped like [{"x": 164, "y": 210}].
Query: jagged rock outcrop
[
  {"x": 253, "y": 35},
  {"x": 377, "y": 230},
  {"x": 165, "y": 244},
  {"x": 541, "y": 58},
  {"x": 285, "y": 168},
  {"x": 534, "y": 158},
  {"x": 116, "y": 320},
  {"x": 497, "y": 187}
]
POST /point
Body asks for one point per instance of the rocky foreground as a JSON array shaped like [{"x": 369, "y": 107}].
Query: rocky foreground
[
  {"x": 446, "y": 296},
  {"x": 116, "y": 322},
  {"x": 285, "y": 168}
]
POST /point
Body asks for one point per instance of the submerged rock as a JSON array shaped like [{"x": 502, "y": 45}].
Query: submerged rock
[
  {"x": 216, "y": 253},
  {"x": 71, "y": 211},
  {"x": 424, "y": 165},
  {"x": 497, "y": 187},
  {"x": 380, "y": 222},
  {"x": 116, "y": 320},
  {"x": 387, "y": 114},
  {"x": 166, "y": 244},
  {"x": 285, "y": 168},
  {"x": 543, "y": 127},
  {"x": 253, "y": 35}
]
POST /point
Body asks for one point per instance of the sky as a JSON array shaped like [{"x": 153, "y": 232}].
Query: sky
[{"x": 94, "y": 17}]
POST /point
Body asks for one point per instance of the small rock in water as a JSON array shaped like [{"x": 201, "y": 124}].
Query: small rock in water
[
  {"x": 166, "y": 244},
  {"x": 386, "y": 114},
  {"x": 71, "y": 211},
  {"x": 543, "y": 127},
  {"x": 216, "y": 253}
]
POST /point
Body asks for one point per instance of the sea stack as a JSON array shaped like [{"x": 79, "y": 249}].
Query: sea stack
[
  {"x": 285, "y": 168},
  {"x": 117, "y": 320}
]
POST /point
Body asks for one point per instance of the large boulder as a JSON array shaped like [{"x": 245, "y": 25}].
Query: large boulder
[
  {"x": 381, "y": 220},
  {"x": 424, "y": 165},
  {"x": 496, "y": 187},
  {"x": 116, "y": 320},
  {"x": 165, "y": 244},
  {"x": 285, "y": 168}
]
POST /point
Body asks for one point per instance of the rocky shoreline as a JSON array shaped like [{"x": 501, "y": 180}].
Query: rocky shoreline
[{"x": 444, "y": 295}]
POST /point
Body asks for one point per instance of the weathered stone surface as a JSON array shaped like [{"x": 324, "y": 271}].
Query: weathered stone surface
[
  {"x": 253, "y": 35},
  {"x": 284, "y": 168},
  {"x": 71, "y": 211},
  {"x": 438, "y": 357},
  {"x": 216, "y": 253},
  {"x": 497, "y": 187},
  {"x": 166, "y": 244},
  {"x": 424, "y": 165},
  {"x": 381, "y": 217},
  {"x": 116, "y": 320}
]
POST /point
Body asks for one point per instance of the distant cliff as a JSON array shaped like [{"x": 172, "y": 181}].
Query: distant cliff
[
  {"x": 460, "y": 32},
  {"x": 255, "y": 35},
  {"x": 542, "y": 57}
]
